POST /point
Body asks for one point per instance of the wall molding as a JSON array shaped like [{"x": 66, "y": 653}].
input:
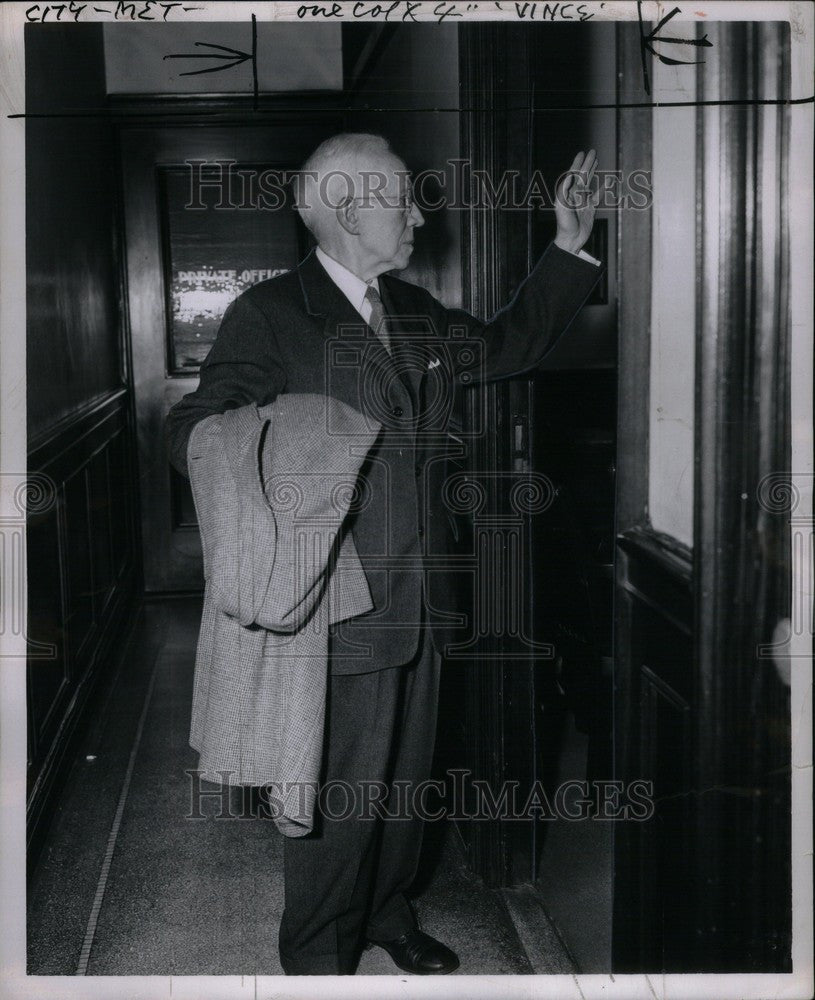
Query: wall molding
[{"x": 48, "y": 443}]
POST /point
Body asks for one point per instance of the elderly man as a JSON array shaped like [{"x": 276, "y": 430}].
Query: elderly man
[{"x": 341, "y": 324}]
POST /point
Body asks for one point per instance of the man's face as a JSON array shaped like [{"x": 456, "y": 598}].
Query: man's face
[{"x": 387, "y": 216}]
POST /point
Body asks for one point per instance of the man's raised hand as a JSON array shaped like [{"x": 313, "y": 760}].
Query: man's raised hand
[{"x": 575, "y": 204}]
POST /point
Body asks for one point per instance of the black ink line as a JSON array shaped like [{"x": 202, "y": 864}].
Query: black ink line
[
  {"x": 645, "y": 79},
  {"x": 736, "y": 102},
  {"x": 255, "y": 90},
  {"x": 236, "y": 55},
  {"x": 205, "y": 113},
  {"x": 646, "y": 45},
  {"x": 209, "y": 45}
]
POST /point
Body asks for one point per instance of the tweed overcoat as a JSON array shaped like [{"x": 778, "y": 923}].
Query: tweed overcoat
[{"x": 272, "y": 487}]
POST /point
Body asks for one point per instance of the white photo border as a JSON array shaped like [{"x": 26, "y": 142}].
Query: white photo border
[{"x": 16, "y": 983}]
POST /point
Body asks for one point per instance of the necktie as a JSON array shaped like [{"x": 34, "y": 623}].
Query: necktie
[
  {"x": 398, "y": 348},
  {"x": 377, "y": 316}
]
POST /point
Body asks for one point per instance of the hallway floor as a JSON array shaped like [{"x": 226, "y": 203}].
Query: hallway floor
[{"x": 128, "y": 884}]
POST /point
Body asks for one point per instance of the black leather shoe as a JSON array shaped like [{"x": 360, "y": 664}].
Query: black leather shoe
[{"x": 420, "y": 954}]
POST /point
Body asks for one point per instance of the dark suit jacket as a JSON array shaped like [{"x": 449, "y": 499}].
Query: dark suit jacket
[{"x": 298, "y": 333}]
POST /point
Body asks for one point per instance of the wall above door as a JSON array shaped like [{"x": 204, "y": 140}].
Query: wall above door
[{"x": 213, "y": 57}]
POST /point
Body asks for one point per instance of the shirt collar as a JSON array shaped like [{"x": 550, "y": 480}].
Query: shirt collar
[{"x": 352, "y": 286}]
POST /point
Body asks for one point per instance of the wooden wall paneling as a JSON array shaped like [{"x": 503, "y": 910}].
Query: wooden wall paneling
[
  {"x": 79, "y": 550},
  {"x": 99, "y": 504},
  {"x": 652, "y": 924},
  {"x": 81, "y": 583},
  {"x": 73, "y": 322},
  {"x": 665, "y": 761},
  {"x": 75, "y": 542},
  {"x": 48, "y": 678},
  {"x": 121, "y": 461}
]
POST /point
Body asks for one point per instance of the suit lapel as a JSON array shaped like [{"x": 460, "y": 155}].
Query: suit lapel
[{"x": 324, "y": 299}]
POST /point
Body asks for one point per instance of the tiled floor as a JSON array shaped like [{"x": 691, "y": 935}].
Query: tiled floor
[
  {"x": 128, "y": 884},
  {"x": 575, "y": 871}
]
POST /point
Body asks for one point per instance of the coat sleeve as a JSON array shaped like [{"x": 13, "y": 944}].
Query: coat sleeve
[
  {"x": 518, "y": 337},
  {"x": 242, "y": 367}
]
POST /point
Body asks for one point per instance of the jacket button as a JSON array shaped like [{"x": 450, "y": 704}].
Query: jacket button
[
  {"x": 421, "y": 531},
  {"x": 397, "y": 411}
]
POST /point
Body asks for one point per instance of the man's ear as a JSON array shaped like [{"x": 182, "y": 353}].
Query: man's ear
[{"x": 348, "y": 217}]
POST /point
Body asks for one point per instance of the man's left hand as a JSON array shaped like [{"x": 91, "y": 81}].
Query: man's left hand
[{"x": 575, "y": 204}]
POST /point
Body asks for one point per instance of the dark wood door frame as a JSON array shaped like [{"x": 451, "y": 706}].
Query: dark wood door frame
[
  {"x": 742, "y": 557},
  {"x": 508, "y": 692},
  {"x": 499, "y": 691}
]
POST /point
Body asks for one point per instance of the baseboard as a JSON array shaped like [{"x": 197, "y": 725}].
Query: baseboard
[{"x": 545, "y": 948}]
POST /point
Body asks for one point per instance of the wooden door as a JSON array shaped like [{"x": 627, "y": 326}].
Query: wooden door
[
  {"x": 703, "y": 884},
  {"x": 207, "y": 213}
]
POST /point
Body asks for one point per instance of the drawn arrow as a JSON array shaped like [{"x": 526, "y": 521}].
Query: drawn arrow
[
  {"x": 646, "y": 45},
  {"x": 231, "y": 58},
  {"x": 235, "y": 55}
]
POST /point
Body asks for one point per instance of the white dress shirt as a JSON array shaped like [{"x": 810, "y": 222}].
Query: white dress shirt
[{"x": 351, "y": 286}]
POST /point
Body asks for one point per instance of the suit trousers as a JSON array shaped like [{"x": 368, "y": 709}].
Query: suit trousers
[{"x": 346, "y": 881}]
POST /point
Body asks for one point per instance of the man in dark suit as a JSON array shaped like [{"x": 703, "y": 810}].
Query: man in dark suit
[{"x": 341, "y": 324}]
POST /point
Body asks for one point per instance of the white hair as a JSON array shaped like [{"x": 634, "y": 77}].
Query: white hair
[{"x": 331, "y": 175}]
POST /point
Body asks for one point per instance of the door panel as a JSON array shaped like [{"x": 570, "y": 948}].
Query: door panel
[{"x": 206, "y": 215}]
